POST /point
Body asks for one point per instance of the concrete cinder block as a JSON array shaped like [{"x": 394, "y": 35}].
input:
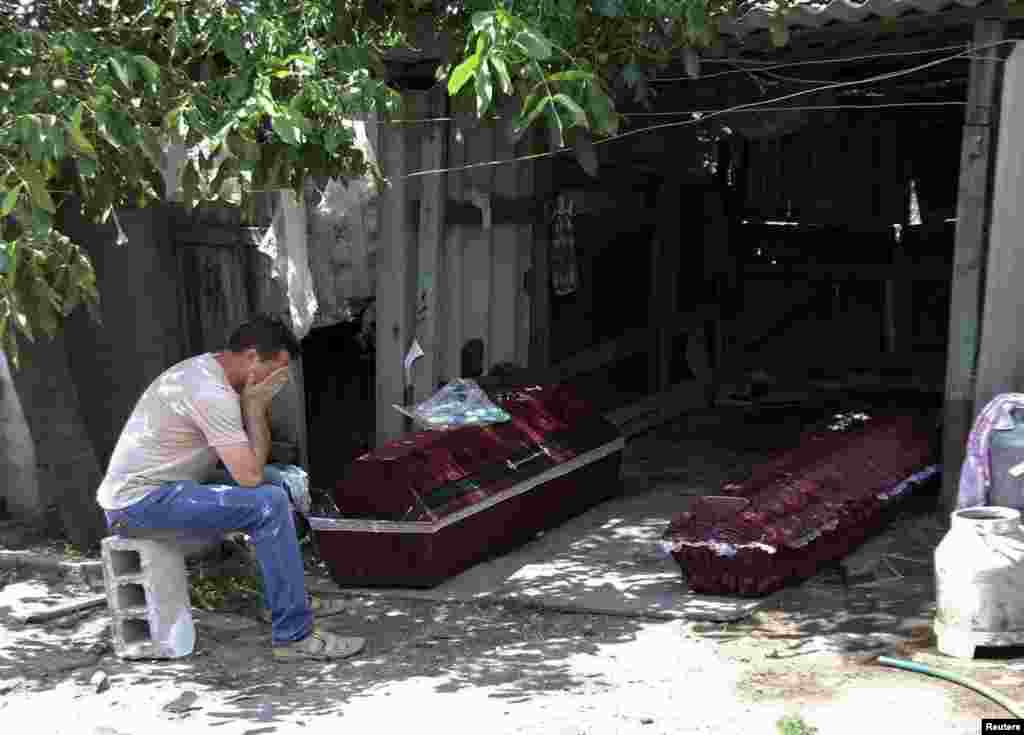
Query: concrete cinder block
[{"x": 148, "y": 597}]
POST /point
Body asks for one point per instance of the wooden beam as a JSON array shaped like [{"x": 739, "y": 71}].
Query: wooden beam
[
  {"x": 929, "y": 272},
  {"x": 660, "y": 408},
  {"x": 430, "y": 326},
  {"x": 631, "y": 342},
  {"x": 211, "y": 236},
  {"x": 505, "y": 210},
  {"x": 974, "y": 206},
  {"x": 606, "y": 353}
]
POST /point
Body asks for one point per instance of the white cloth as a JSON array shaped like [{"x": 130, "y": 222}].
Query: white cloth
[{"x": 285, "y": 244}]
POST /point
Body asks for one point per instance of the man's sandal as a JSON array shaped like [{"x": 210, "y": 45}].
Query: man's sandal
[{"x": 319, "y": 646}]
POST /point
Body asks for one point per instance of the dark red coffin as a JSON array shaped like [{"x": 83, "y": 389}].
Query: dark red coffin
[
  {"x": 807, "y": 506},
  {"x": 433, "y": 503}
]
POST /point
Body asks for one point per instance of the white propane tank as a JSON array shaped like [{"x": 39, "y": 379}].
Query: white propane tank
[{"x": 979, "y": 581}]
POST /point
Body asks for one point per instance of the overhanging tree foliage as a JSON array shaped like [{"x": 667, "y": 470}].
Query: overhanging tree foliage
[{"x": 258, "y": 92}]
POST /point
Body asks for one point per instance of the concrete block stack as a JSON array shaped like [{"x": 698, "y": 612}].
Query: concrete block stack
[{"x": 148, "y": 598}]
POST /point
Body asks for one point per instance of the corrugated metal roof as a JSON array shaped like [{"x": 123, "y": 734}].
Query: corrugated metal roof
[{"x": 757, "y": 15}]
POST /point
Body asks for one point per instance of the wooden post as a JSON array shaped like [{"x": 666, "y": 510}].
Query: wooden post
[
  {"x": 664, "y": 298},
  {"x": 540, "y": 259},
  {"x": 396, "y": 274},
  {"x": 1001, "y": 352},
  {"x": 477, "y": 262},
  {"x": 455, "y": 240},
  {"x": 972, "y": 230},
  {"x": 524, "y": 244},
  {"x": 506, "y": 283},
  {"x": 430, "y": 327}
]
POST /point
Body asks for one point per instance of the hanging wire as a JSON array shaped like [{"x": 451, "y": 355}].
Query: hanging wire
[
  {"x": 810, "y": 108},
  {"x": 792, "y": 95},
  {"x": 759, "y": 106},
  {"x": 766, "y": 67},
  {"x": 772, "y": 66}
]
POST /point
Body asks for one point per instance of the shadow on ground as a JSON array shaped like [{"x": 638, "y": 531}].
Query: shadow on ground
[
  {"x": 501, "y": 650},
  {"x": 511, "y": 653}
]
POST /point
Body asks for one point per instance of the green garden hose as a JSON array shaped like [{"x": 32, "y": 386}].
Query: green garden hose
[{"x": 1008, "y": 704}]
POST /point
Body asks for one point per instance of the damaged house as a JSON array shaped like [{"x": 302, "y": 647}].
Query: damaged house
[{"x": 772, "y": 221}]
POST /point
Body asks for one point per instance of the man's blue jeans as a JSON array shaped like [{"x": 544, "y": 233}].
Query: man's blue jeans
[{"x": 263, "y": 512}]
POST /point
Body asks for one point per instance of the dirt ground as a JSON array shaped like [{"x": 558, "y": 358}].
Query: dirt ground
[{"x": 507, "y": 668}]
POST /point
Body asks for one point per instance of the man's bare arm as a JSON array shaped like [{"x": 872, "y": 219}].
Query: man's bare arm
[
  {"x": 240, "y": 459},
  {"x": 257, "y": 425},
  {"x": 245, "y": 462}
]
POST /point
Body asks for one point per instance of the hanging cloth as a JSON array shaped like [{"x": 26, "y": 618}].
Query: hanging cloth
[
  {"x": 564, "y": 272},
  {"x": 976, "y": 473}
]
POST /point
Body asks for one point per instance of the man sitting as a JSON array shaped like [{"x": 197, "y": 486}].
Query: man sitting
[{"x": 216, "y": 406}]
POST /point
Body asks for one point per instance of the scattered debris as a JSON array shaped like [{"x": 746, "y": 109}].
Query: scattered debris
[
  {"x": 60, "y": 611},
  {"x": 99, "y": 649},
  {"x": 100, "y": 682},
  {"x": 182, "y": 704}
]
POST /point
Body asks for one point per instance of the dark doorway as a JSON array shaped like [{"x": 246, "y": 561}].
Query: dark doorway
[{"x": 339, "y": 380}]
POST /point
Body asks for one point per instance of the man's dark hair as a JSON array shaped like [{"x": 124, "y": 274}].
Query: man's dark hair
[{"x": 267, "y": 335}]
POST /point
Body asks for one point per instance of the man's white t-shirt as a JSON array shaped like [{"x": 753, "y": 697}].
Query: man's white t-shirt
[{"x": 170, "y": 436}]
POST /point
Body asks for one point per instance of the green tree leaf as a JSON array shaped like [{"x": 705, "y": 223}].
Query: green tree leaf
[
  {"x": 10, "y": 201},
  {"x": 37, "y": 188},
  {"x": 232, "y": 45},
  {"x": 602, "y": 112},
  {"x": 696, "y": 19},
  {"x": 609, "y": 8},
  {"x": 579, "y": 116},
  {"x": 572, "y": 75},
  {"x": 530, "y": 116},
  {"x": 779, "y": 31},
  {"x": 149, "y": 68},
  {"x": 498, "y": 64},
  {"x": 42, "y": 304},
  {"x": 462, "y": 74},
  {"x": 151, "y": 146},
  {"x": 86, "y": 167},
  {"x": 484, "y": 91},
  {"x": 586, "y": 154},
  {"x": 533, "y": 44},
  {"x": 125, "y": 74},
  {"x": 288, "y": 124},
  {"x": 482, "y": 19},
  {"x": 106, "y": 124}
]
